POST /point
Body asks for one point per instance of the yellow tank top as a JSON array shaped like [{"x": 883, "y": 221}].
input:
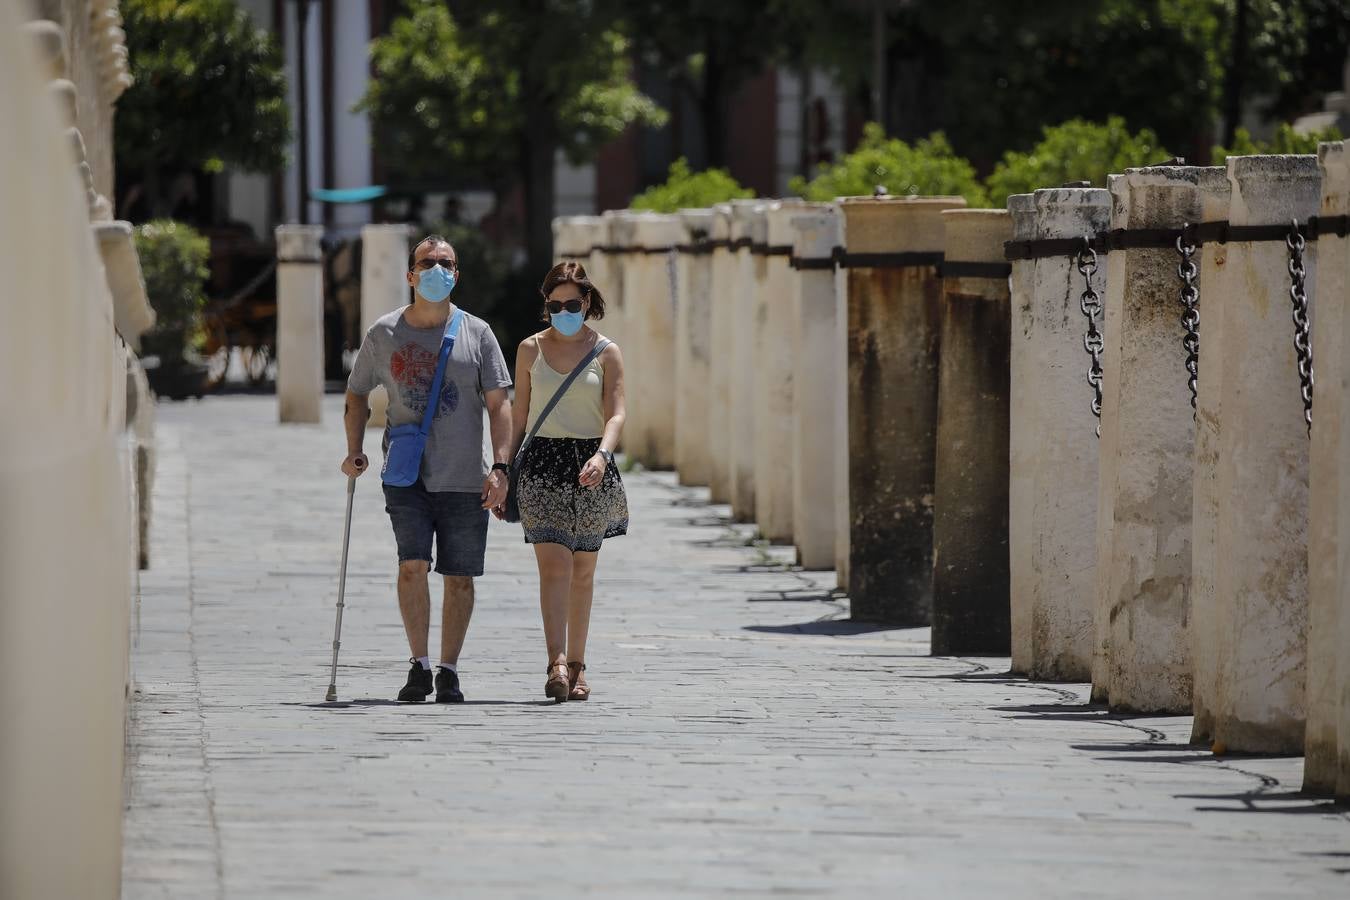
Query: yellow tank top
[{"x": 580, "y": 412}]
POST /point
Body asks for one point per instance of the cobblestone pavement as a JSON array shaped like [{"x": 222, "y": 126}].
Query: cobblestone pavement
[{"x": 743, "y": 738}]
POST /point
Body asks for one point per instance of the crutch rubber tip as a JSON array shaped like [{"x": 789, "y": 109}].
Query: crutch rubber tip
[{"x": 331, "y": 696}]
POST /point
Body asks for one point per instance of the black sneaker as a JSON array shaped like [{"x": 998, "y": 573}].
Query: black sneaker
[
  {"x": 419, "y": 684},
  {"x": 447, "y": 687}
]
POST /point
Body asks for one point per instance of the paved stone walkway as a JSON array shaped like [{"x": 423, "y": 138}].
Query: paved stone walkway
[{"x": 743, "y": 738}]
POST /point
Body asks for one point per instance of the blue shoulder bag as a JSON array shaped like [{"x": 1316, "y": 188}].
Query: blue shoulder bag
[{"x": 403, "y": 456}]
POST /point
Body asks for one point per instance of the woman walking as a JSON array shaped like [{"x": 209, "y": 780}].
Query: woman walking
[{"x": 569, "y": 491}]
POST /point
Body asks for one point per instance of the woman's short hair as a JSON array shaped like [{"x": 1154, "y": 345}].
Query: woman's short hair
[{"x": 574, "y": 272}]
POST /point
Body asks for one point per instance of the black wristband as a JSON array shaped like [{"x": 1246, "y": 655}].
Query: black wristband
[{"x": 503, "y": 466}]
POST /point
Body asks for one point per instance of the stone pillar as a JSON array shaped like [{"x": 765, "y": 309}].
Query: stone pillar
[
  {"x": 1054, "y": 446},
  {"x": 818, "y": 354},
  {"x": 607, "y": 274},
  {"x": 1335, "y": 253},
  {"x": 64, "y": 576},
  {"x": 384, "y": 288},
  {"x": 299, "y": 323},
  {"x": 650, "y": 428},
  {"x": 748, "y": 228},
  {"x": 970, "y": 497},
  {"x": 774, "y": 376},
  {"x": 1261, "y": 561},
  {"x": 894, "y": 302},
  {"x": 625, "y": 268},
  {"x": 843, "y": 515},
  {"x": 1022, "y": 365},
  {"x": 1146, "y": 464},
  {"x": 725, "y": 274},
  {"x": 1220, "y": 280},
  {"x": 693, "y": 349},
  {"x": 1328, "y": 656}
]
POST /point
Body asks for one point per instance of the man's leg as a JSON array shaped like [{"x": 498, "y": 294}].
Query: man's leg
[
  {"x": 414, "y": 603},
  {"x": 455, "y": 614}
]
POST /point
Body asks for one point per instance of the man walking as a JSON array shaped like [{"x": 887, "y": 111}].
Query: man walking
[{"x": 450, "y": 500}]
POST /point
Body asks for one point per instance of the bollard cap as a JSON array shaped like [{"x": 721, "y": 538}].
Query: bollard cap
[
  {"x": 816, "y": 231},
  {"x": 779, "y": 231},
  {"x": 721, "y": 222},
  {"x": 1273, "y": 188},
  {"x": 1071, "y": 212},
  {"x": 299, "y": 243},
  {"x": 1333, "y": 158},
  {"x": 748, "y": 222},
  {"x": 895, "y": 224},
  {"x": 657, "y": 231},
  {"x": 1165, "y": 196},
  {"x": 975, "y": 235},
  {"x": 698, "y": 224}
]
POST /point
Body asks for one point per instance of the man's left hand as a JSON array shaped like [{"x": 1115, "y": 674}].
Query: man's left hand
[{"x": 494, "y": 489}]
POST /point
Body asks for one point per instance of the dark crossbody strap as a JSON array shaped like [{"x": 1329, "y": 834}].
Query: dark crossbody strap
[
  {"x": 562, "y": 389},
  {"x": 447, "y": 347}
]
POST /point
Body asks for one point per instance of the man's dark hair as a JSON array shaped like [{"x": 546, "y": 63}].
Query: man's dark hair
[{"x": 430, "y": 239}]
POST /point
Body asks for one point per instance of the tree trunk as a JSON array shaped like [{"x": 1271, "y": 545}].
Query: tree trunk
[
  {"x": 712, "y": 106},
  {"x": 538, "y": 150},
  {"x": 1235, "y": 77}
]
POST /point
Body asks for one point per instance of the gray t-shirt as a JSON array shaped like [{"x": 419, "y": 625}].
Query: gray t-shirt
[{"x": 403, "y": 359}]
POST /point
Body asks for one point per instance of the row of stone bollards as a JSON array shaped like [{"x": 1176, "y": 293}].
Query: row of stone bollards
[{"x": 1075, "y": 431}]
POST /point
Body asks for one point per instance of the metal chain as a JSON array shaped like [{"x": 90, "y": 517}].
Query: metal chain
[
  {"x": 1093, "y": 342},
  {"x": 1190, "y": 317},
  {"x": 1298, "y": 294}
]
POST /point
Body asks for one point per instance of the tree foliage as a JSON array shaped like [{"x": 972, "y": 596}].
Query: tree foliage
[
  {"x": 1284, "y": 140},
  {"x": 1075, "y": 150},
  {"x": 173, "y": 262},
  {"x": 929, "y": 166},
  {"x": 447, "y": 100},
  {"x": 684, "y": 189},
  {"x": 210, "y": 89}
]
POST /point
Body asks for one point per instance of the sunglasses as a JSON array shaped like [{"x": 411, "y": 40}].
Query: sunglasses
[
  {"x": 555, "y": 307},
  {"x": 428, "y": 262}
]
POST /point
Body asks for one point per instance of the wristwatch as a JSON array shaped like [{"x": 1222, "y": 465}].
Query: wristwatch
[
  {"x": 607, "y": 454},
  {"x": 503, "y": 466}
]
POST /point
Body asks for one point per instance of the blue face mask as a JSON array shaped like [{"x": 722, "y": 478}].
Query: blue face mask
[
  {"x": 436, "y": 283},
  {"x": 568, "y": 323}
]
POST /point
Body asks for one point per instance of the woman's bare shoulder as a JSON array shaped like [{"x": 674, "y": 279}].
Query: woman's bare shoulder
[{"x": 529, "y": 348}]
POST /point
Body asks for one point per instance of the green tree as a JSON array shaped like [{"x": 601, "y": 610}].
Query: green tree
[
  {"x": 1074, "y": 151},
  {"x": 209, "y": 89},
  {"x": 683, "y": 189},
  {"x": 173, "y": 262},
  {"x": 1284, "y": 141},
  {"x": 487, "y": 93},
  {"x": 929, "y": 166}
]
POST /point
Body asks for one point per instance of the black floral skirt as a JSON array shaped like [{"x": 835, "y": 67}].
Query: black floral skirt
[{"x": 556, "y": 509}]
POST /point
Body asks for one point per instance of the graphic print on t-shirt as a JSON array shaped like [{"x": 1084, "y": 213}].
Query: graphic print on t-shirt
[{"x": 414, "y": 368}]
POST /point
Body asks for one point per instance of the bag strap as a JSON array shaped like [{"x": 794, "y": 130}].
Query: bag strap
[
  {"x": 447, "y": 345},
  {"x": 599, "y": 348}
]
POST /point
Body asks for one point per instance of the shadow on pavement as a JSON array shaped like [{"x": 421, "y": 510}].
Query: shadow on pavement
[
  {"x": 372, "y": 702},
  {"x": 831, "y": 627}
]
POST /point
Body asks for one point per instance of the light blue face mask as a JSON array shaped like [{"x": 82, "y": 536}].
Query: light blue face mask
[
  {"x": 568, "y": 323},
  {"x": 436, "y": 283}
]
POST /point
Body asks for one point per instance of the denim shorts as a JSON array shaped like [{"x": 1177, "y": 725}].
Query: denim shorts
[{"x": 457, "y": 520}]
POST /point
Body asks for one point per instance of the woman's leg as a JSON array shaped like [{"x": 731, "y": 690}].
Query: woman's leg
[
  {"x": 579, "y": 604},
  {"x": 555, "y": 581}
]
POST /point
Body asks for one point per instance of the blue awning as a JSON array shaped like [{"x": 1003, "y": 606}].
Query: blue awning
[{"x": 348, "y": 195}]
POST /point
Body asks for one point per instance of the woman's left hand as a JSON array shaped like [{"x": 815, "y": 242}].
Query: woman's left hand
[{"x": 593, "y": 472}]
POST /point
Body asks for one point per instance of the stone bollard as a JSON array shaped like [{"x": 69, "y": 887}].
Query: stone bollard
[
  {"x": 774, "y": 376},
  {"x": 1260, "y": 552},
  {"x": 1336, "y": 254},
  {"x": 603, "y": 265},
  {"x": 624, "y": 267},
  {"x": 819, "y": 354},
  {"x": 693, "y": 349},
  {"x": 66, "y": 551},
  {"x": 1328, "y": 654},
  {"x": 893, "y": 247},
  {"x": 299, "y": 323},
  {"x": 970, "y": 496},
  {"x": 384, "y": 288},
  {"x": 725, "y": 275},
  {"x": 1217, "y": 279},
  {"x": 1147, "y": 462},
  {"x": 1055, "y": 445},
  {"x": 650, "y": 428},
  {"x": 748, "y": 228},
  {"x": 1023, "y": 368},
  {"x": 843, "y": 515}
]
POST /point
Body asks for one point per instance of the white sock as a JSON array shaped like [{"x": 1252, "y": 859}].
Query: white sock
[
  {"x": 450, "y": 667},
  {"x": 425, "y": 661}
]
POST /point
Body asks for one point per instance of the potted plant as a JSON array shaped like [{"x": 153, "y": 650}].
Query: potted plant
[{"x": 173, "y": 261}]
